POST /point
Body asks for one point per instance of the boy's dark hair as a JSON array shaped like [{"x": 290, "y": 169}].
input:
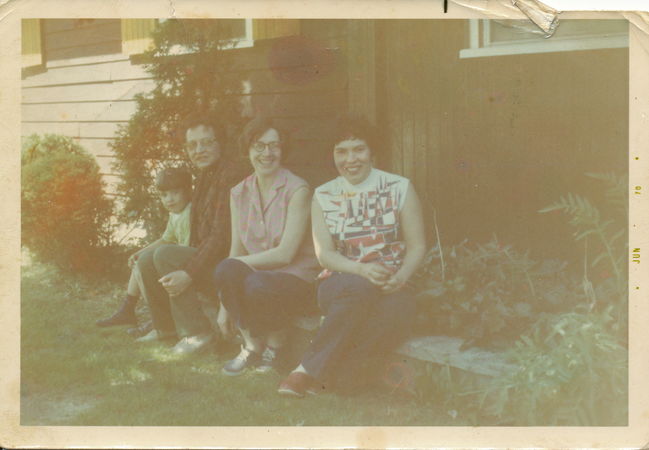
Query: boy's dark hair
[
  {"x": 198, "y": 118},
  {"x": 174, "y": 178},
  {"x": 253, "y": 131},
  {"x": 355, "y": 127}
]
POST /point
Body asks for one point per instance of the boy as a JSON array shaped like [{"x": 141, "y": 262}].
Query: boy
[{"x": 175, "y": 190}]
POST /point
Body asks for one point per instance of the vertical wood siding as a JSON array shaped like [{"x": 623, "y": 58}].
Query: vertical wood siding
[
  {"x": 31, "y": 42},
  {"x": 490, "y": 141},
  {"x": 136, "y": 35},
  {"x": 274, "y": 28}
]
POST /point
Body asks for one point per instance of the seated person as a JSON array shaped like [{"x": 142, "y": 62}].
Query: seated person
[
  {"x": 368, "y": 235},
  {"x": 268, "y": 279},
  {"x": 174, "y": 187},
  {"x": 172, "y": 275}
]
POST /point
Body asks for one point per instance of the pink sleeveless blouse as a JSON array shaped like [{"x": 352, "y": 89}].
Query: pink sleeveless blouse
[{"x": 261, "y": 229}]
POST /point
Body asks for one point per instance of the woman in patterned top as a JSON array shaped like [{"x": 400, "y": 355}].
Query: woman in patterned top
[
  {"x": 268, "y": 278},
  {"x": 368, "y": 235}
]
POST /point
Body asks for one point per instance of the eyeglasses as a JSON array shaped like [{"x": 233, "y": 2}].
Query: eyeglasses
[
  {"x": 191, "y": 146},
  {"x": 259, "y": 146}
]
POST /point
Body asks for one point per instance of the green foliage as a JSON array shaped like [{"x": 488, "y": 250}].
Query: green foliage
[
  {"x": 605, "y": 235},
  {"x": 192, "y": 72},
  {"x": 572, "y": 371},
  {"x": 609, "y": 232},
  {"x": 65, "y": 214},
  {"x": 488, "y": 294}
]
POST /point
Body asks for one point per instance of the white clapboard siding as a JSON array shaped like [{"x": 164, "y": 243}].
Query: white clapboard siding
[
  {"x": 97, "y": 147},
  {"x": 91, "y": 73},
  {"x": 76, "y": 112},
  {"x": 115, "y": 90},
  {"x": 105, "y": 165},
  {"x": 72, "y": 129},
  {"x": 111, "y": 181}
]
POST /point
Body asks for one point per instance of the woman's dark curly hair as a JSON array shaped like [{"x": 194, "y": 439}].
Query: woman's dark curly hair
[
  {"x": 355, "y": 127},
  {"x": 255, "y": 129}
]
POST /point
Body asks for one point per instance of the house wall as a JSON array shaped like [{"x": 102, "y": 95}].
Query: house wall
[
  {"x": 296, "y": 72},
  {"x": 86, "y": 88},
  {"x": 490, "y": 141},
  {"x": 301, "y": 81}
]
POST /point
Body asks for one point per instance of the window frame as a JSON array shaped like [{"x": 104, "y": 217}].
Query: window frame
[
  {"x": 480, "y": 44},
  {"x": 246, "y": 42}
]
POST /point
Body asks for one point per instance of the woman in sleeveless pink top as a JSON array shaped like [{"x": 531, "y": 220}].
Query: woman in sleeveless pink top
[{"x": 268, "y": 278}]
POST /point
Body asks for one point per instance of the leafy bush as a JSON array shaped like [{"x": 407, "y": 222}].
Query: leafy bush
[
  {"x": 606, "y": 236},
  {"x": 489, "y": 294},
  {"x": 573, "y": 371},
  {"x": 191, "y": 73},
  {"x": 65, "y": 214}
]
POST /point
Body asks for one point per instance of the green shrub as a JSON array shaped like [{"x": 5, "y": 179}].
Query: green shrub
[
  {"x": 573, "y": 371},
  {"x": 191, "y": 73},
  {"x": 65, "y": 214},
  {"x": 489, "y": 293},
  {"x": 602, "y": 225}
]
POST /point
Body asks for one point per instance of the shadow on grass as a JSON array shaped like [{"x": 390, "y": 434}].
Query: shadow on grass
[{"x": 74, "y": 373}]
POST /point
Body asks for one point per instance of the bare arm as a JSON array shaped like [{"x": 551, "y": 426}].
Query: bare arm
[
  {"x": 413, "y": 231},
  {"x": 297, "y": 221},
  {"x": 329, "y": 257},
  {"x": 236, "y": 246}
]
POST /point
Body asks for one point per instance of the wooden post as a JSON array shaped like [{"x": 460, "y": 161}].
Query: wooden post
[
  {"x": 361, "y": 66},
  {"x": 136, "y": 35},
  {"x": 31, "y": 42}
]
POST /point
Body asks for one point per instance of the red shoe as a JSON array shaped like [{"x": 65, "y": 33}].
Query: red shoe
[
  {"x": 295, "y": 384},
  {"x": 316, "y": 387}
]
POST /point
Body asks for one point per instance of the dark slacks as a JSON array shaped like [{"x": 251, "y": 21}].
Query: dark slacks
[
  {"x": 262, "y": 301},
  {"x": 181, "y": 314},
  {"x": 361, "y": 327}
]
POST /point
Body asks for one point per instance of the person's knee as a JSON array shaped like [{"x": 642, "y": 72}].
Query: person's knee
[
  {"x": 351, "y": 288},
  {"x": 162, "y": 256},
  {"x": 402, "y": 312},
  {"x": 256, "y": 286},
  {"x": 144, "y": 263},
  {"x": 228, "y": 269}
]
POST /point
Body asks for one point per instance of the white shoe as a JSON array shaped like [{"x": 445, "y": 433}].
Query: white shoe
[
  {"x": 268, "y": 360},
  {"x": 149, "y": 337},
  {"x": 192, "y": 344}
]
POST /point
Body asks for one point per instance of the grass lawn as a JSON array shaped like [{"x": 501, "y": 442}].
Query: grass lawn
[{"x": 74, "y": 373}]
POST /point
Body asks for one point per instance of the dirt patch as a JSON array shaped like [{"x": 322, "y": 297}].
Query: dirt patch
[{"x": 41, "y": 409}]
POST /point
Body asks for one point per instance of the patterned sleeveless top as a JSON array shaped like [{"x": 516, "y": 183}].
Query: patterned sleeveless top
[{"x": 363, "y": 219}]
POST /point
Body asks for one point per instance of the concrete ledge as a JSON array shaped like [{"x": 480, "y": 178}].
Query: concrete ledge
[
  {"x": 446, "y": 351},
  {"x": 440, "y": 350}
]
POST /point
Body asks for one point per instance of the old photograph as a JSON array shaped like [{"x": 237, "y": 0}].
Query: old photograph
[{"x": 306, "y": 223}]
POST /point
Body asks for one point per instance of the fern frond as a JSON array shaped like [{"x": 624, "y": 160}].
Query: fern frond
[{"x": 598, "y": 259}]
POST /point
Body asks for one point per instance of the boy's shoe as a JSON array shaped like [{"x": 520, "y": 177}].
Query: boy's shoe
[
  {"x": 268, "y": 360},
  {"x": 296, "y": 384},
  {"x": 125, "y": 315},
  {"x": 141, "y": 330},
  {"x": 245, "y": 358},
  {"x": 192, "y": 344}
]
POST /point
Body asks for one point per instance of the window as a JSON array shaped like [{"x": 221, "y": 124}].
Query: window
[
  {"x": 512, "y": 37},
  {"x": 236, "y": 32}
]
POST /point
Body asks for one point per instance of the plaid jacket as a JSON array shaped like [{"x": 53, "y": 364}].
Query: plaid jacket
[{"x": 210, "y": 221}]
